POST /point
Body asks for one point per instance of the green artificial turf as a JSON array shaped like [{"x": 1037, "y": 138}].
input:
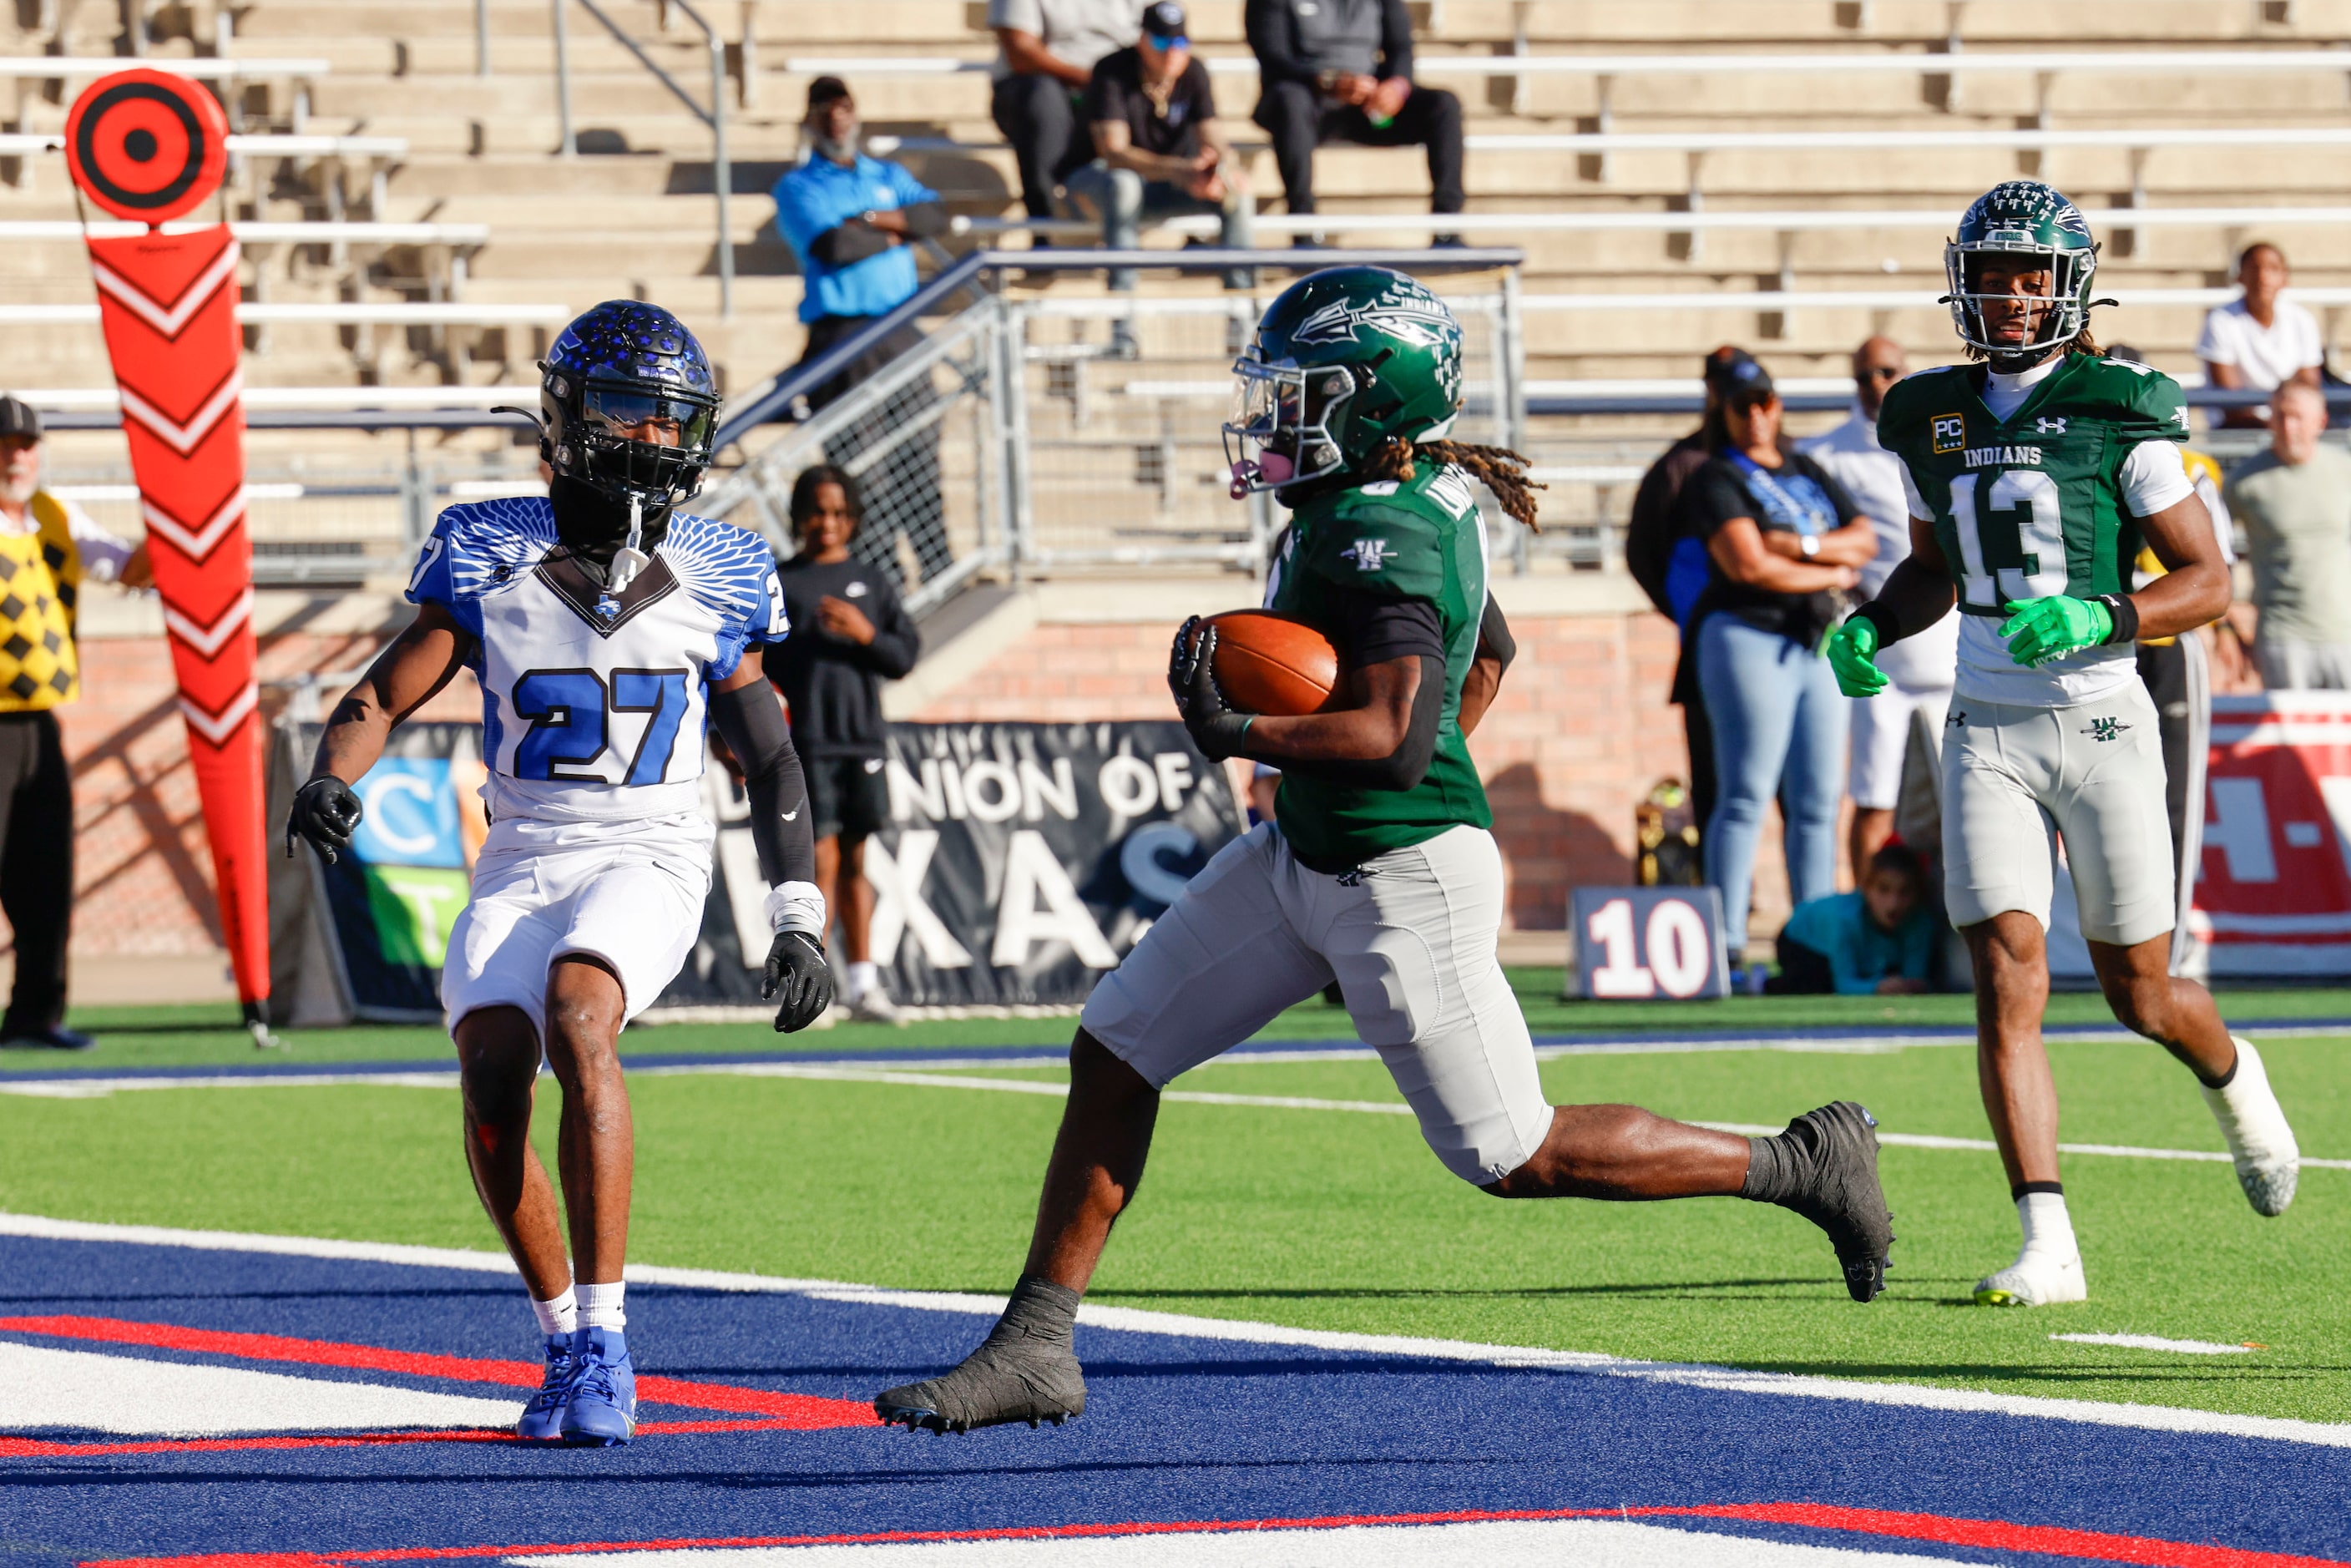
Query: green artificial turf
[
  {"x": 1341, "y": 1220},
  {"x": 209, "y": 1036}
]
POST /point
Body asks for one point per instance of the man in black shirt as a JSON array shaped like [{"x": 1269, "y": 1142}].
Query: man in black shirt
[
  {"x": 1158, "y": 152},
  {"x": 1340, "y": 71},
  {"x": 848, "y": 633}
]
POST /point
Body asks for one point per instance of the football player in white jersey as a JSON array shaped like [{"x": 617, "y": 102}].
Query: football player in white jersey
[{"x": 608, "y": 632}]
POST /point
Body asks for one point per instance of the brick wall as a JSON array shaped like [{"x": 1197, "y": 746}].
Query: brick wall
[{"x": 1579, "y": 733}]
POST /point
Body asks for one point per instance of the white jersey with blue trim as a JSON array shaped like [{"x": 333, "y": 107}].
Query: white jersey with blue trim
[{"x": 593, "y": 704}]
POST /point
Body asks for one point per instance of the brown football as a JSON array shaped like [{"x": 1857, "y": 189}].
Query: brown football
[{"x": 1273, "y": 663}]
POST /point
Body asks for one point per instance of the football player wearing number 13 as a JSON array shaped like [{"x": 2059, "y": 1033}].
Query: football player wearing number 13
[
  {"x": 2032, "y": 480},
  {"x": 608, "y": 632},
  {"x": 1379, "y": 872}
]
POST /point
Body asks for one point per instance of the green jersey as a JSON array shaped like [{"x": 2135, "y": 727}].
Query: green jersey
[
  {"x": 2037, "y": 502},
  {"x": 1419, "y": 539}
]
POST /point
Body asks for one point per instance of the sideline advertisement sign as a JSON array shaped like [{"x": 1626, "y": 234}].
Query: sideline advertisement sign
[
  {"x": 2274, "y": 896},
  {"x": 1021, "y": 862}
]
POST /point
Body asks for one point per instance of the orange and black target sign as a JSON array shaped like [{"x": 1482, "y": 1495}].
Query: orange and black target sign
[{"x": 146, "y": 146}]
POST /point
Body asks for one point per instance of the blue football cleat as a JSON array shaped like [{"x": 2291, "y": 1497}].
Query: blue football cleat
[
  {"x": 603, "y": 1409},
  {"x": 542, "y": 1419}
]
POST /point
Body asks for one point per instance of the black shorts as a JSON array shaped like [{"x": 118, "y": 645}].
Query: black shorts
[{"x": 849, "y": 797}]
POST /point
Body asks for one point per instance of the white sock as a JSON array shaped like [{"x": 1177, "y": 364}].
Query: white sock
[
  {"x": 600, "y": 1306},
  {"x": 2047, "y": 1227},
  {"x": 560, "y": 1315},
  {"x": 864, "y": 975}
]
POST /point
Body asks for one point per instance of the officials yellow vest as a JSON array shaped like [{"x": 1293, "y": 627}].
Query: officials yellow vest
[{"x": 40, "y": 579}]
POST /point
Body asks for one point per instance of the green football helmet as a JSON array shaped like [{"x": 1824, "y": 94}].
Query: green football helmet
[
  {"x": 2021, "y": 220},
  {"x": 1346, "y": 360}
]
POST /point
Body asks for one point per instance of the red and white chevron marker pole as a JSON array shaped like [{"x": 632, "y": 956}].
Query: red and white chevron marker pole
[{"x": 149, "y": 147}]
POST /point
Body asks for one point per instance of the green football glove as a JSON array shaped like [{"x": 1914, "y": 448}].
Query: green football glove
[
  {"x": 1849, "y": 656},
  {"x": 2051, "y": 627}
]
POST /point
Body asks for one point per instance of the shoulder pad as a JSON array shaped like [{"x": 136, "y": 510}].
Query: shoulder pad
[{"x": 480, "y": 545}]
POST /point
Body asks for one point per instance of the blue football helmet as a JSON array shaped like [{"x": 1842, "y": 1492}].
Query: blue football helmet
[{"x": 627, "y": 408}]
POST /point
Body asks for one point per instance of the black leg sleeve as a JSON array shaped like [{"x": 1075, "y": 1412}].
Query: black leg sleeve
[
  {"x": 37, "y": 870},
  {"x": 752, "y": 721}
]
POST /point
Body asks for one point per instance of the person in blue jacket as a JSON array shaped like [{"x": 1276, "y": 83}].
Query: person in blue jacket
[
  {"x": 853, "y": 221},
  {"x": 1876, "y": 941}
]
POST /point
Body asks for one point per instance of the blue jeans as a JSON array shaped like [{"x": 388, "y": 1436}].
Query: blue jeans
[
  {"x": 1125, "y": 200},
  {"x": 1779, "y": 730}
]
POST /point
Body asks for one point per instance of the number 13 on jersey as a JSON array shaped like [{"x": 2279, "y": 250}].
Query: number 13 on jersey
[{"x": 2011, "y": 533}]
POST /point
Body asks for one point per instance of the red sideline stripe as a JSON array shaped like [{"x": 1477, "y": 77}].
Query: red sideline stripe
[
  {"x": 803, "y": 1411},
  {"x": 36, "y": 1448},
  {"x": 1995, "y": 1533}
]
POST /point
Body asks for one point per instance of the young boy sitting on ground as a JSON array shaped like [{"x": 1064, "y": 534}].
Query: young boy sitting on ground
[{"x": 1876, "y": 941}]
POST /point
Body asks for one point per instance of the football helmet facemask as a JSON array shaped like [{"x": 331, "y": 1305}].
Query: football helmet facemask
[
  {"x": 627, "y": 408},
  {"x": 1344, "y": 360},
  {"x": 2019, "y": 226}
]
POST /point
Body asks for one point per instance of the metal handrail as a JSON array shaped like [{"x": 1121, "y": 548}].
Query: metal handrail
[
  {"x": 799, "y": 381},
  {"x": 721, "y": 169}
]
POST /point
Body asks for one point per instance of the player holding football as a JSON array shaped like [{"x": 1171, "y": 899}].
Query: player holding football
[
  {"x": 608, "y": 632},
  {"x": 1379, "y": 871},
  {"x": 2032, "y": 480}
]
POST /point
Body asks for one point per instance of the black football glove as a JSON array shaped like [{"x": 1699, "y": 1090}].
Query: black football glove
[
  {"x": 326, "y": 813},
  {"x": 797, "y": 972},
  {"x": 1218, "y": 728}
]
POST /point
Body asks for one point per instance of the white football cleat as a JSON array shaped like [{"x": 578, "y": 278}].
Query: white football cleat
[
  {"x": 875, "y": 1006},
  {"x": 2038, "y": 1278},
  {"x": 2269, "y": 1162}
]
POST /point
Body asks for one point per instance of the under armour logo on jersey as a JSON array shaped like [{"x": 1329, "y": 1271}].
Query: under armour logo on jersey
[
  {"x": 1959, "y": 719},
  {"x": 2106, "y": 729},
  {"x": 1369, "y": 555},
  {"x": 2048, "y": 426}
]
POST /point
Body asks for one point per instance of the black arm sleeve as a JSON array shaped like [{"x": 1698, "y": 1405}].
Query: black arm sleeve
[
  {"x": 1374, "y": 630},
  {"x": 1395, "y": 41},
  {"x": 752, "y": 721},
  {"x": 850, "y": 242},
  {"x": 1494, "y": 635},
  {"x": 897, "y": 640},
  {"x": 927, "y": 219},
  {"x": 1271, "y": 38}
]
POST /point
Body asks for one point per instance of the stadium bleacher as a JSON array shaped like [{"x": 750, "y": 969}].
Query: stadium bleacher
[{"x": 1678, "y": 173}]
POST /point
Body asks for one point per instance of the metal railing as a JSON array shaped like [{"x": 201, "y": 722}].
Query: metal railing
[
  {"x": 715, "y": 116},
  {"x": 1032, "y": 437}
]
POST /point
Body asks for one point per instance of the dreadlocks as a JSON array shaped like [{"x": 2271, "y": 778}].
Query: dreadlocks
[{"x": 1499, "y": 468}]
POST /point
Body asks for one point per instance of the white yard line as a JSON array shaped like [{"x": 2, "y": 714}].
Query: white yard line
[
  {"x": 2153, "y": 1342},
  {"x": 1136, "y": 1320},
  {"x": 84, "y": 1089}
]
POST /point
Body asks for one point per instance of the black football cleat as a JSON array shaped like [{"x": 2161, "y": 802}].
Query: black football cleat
[
  {"x": 1008, "y": 1378},
  {"x": 1828, "y": 1174}
]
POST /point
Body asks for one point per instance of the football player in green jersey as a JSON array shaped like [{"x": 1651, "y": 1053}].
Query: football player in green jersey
[
  {"x": 2033, "y": 478},
  {"x": 1378, "y": 873}
]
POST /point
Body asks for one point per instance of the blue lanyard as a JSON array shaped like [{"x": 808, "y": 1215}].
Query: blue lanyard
[{"x": 1803, "y": 517}]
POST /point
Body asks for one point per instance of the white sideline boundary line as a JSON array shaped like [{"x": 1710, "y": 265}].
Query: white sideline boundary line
[
  {"x": 1138, "y": 1320},
  {"x": 83, "y": 1088}
]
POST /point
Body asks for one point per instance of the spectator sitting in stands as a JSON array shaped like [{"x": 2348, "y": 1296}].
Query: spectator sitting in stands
[
  {"x": 2294, "y": 501},
  {"x": 1046, "y": 53},
  {"x": 1340, "y": 71},
  {"x": 849, "y": 634},
  {"x": 1160, "y": 153},
  {"x": 2258, "y": 339},
  {"x": 1878, "y": 941}
]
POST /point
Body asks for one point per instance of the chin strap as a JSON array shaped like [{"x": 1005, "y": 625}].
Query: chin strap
[{"x": 629, "y": 561}]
